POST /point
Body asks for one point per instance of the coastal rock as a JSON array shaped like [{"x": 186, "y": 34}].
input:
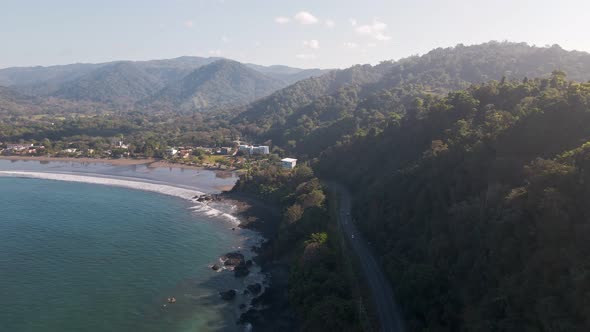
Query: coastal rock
[
  {"x": 249, "y": 263},
  {"x": 203, "y": 198},
  {"x": 241, "y": 270},
  {"x": 228, "y": 295},
  {"x": 215, "y": 267},
  {"x": 233, "y": 259},
  {"x": 254, "y": 288}
]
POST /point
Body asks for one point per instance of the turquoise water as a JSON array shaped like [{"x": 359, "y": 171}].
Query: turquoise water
[{"x": 83, "y": 257}]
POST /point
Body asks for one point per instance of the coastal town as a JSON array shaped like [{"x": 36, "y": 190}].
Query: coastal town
[{"x": 235, "y": 156}]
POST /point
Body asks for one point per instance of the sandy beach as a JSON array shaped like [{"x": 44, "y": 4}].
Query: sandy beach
[
  {"x": 150, "y": 162},
  {"x": 115, "y": 162}
]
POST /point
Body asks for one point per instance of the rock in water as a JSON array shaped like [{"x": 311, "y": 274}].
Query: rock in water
[{"x": 233, "y": 259}]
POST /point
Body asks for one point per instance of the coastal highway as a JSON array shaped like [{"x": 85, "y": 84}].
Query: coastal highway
[{"x": 382, "y": 294}]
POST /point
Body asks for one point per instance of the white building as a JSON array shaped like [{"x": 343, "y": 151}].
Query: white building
[
  {"x": 251, "y": 149},
  {"x": 171, "y": 152},
  {"x": 288, "y": 163},
  {"x": 244, "y": 148},
  {"x": 18, "y": 147},
  {"x": 262, "y": 149}
]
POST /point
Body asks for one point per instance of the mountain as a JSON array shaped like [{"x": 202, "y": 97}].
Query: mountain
[
  {"x": 121, "y": 83},
  {"x": 223, "y": 83},
  {"x": 269, "y": 111},
  {"x": 13, "y": 102},
  {"x": 315, "y": 113},
  {"x": 288, "y": 74},
  {"x": 22, "y": 76},
  {"x": 477, "y": 204}
]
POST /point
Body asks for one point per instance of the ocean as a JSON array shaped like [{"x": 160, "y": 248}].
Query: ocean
[{"x": 100, "y": 248}]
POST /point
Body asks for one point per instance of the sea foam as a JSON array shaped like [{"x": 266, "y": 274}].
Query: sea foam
[{"x": 165, "y": 189}]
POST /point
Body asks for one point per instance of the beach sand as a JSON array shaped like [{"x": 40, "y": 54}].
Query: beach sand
[{"x": 115, "y": 162}]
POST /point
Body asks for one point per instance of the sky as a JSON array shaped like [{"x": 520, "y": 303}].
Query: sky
[{"x": 299, "y": 33}]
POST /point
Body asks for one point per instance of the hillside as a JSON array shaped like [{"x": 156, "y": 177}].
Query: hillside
[
  {"x": 223, "y": 83},
  {"x": 318, "y": 112},
  {"x": 263, "y": 114},
  {"x": 122, "y": 83},
  {"x": 22, "y": 76},
  {"x": 288, "y": 74},
  {"x": 477, "y": 203}
]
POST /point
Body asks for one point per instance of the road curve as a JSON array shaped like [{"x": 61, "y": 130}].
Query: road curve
[{"x": 388, "y": 314}]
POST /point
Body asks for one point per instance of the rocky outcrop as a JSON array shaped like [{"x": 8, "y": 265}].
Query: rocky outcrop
[
  {"x": 233, "y": 259},
  {"x": 206, "y": 198}
]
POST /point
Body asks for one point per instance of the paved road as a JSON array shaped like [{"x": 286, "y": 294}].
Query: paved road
[{"x": 382, "y": 294}]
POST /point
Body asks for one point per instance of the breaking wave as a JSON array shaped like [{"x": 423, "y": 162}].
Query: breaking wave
[{"x": 184, "y": 193}]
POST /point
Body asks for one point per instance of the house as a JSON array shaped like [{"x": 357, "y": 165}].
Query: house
[
  {"x": 251, "y": 149},
  {"x": 288, "y": 163},
  {"x": 225, "y": 151},
  {"x": 122, "y": 145},
  {"x": 184, "y": 154},
  {"x": 244, "y": 148},
  {"x": 261, "y": 149},
  {"x": 171, "y": 152},
  {"x": 18, "y": 147}
]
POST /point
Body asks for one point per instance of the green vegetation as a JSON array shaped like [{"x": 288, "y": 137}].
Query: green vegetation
[
  {"x": 312, "y": 115},
  {"x": 477, "y": 204},
  {"x": 319, "y": 288},
  {"x": 472, "y": 191}
]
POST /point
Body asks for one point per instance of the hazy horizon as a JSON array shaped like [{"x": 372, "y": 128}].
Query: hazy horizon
[
  {"x": 281, "y": 64},
  {"x": 306, "y": 34}
]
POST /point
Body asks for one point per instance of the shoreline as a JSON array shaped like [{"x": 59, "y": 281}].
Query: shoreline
[
  {"x": 114, "y": 162},
  {"x": 149, "y": 162},
  {"x": 271, "y": 308},
  {"x": 251, "y": 213}
]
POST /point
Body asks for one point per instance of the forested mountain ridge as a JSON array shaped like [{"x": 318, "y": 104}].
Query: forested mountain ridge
[
  {"x": 121, "y": 84},
  {"x": 222, "y": 83},
  {"x": 261, "y": 115},
  {"x": 346, "y": 102},
  {"x": 477, "y": 203}
]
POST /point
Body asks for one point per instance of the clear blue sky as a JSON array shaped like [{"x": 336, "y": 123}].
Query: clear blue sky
[{"x": 303, "y": 33}]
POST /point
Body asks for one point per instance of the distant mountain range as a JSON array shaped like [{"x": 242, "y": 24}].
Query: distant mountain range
[
  {"x": 272, "y": 98},
  {"x": 223, "y": 83},
  {"x": 188, "y": 83}
]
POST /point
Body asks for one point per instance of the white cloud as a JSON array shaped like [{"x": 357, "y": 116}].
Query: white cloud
[
  {"x": 350, "y": 45},
  {"x": 225, "y": 39},
  {"x": 352, "y": 21},
  {"x": 313, "y": 44},
  {"x": 371, "y": 45},
  {"x": 330, "y": 23},
  {"x": 282, "y": 19},
  {"x": 215, "y": 52},
  {"x": 188, "y": 24},
  {"x": 305, "y": 18},
  {"x": 306, "y": 56},
  {"x": 374, "y": 30}
]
